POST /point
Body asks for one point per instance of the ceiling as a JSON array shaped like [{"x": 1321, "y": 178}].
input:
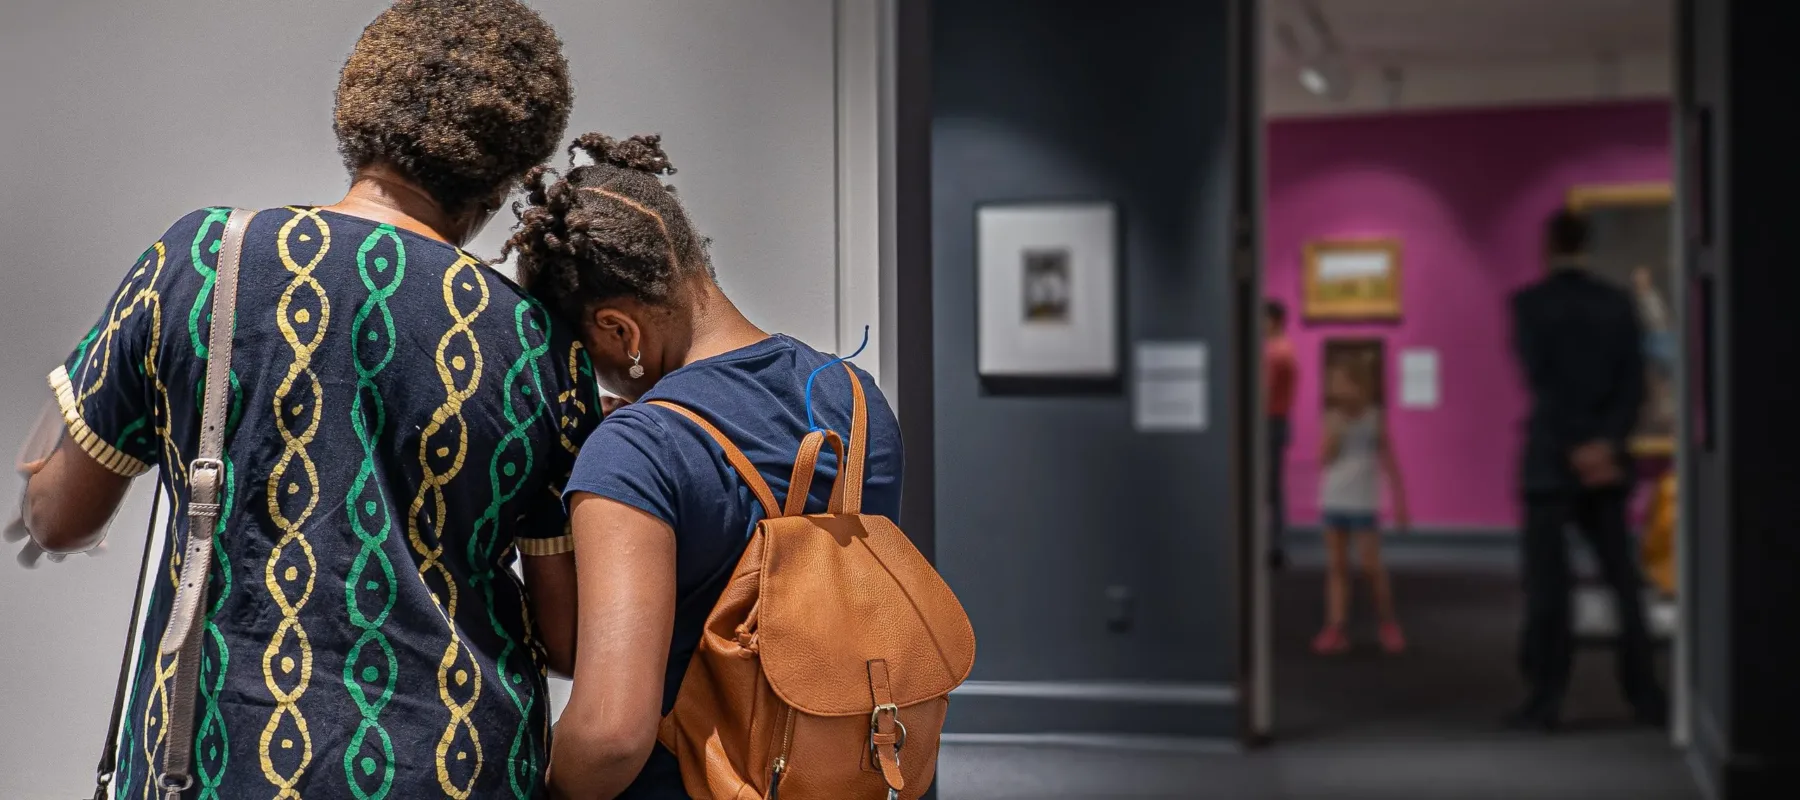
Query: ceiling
[{"x": 1405, "y": 33}]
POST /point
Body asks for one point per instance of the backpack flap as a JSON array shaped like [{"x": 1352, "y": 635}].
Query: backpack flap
[{"x": 841, "y": 591}]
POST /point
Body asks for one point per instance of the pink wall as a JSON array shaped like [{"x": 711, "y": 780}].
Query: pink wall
[{"x": 1465, "y": 193}]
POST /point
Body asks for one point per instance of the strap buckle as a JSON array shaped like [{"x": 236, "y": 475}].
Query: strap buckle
[
  {"x": 893, "y": 711},
  {"x": 102, "y": 782},
  {"x": 174, "y": 784},
  {"x": 209, "y": 472}
]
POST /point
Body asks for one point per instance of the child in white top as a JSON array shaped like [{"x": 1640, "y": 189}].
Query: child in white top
[{"x": 1358, "y": 453}]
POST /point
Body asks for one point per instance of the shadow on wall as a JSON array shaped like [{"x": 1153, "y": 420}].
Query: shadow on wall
[{"x": 1465, "y": 193}]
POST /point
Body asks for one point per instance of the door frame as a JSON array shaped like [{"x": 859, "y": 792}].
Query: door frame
[{"x": 1249, "y": 437}]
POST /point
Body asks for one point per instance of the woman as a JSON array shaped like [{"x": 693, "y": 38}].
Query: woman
[
  {"x": 402, "y": 421},
  {"x": 1358, "y": 454},
  {"x": 659, "y": 518}
]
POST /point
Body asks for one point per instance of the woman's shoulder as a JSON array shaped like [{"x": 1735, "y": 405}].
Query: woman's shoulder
[
  {"x": 186, "y": 250},
  {"x": 194, "y": 233}
]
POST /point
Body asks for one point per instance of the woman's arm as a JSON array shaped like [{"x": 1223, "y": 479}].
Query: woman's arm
[
  {"x": 625, "y": 585},
  {"x": 550, "y": 580},
  {"x": 69, "y": 498},
  {"x": 550, "y": 586},
  {"x": 1390, "y": 463}
]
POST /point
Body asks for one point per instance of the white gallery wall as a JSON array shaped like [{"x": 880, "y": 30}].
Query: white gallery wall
[{"x": 117, "y": 118}]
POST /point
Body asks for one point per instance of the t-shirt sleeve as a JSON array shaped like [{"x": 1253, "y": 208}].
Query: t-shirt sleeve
[
  {"x": 104, "y": 387},
  {"x": 544, "y": 529},
  {"x": 628, "y": 459}
]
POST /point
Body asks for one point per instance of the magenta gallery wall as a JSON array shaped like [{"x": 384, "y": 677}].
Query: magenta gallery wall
[{"x": 1465, "y": 194}]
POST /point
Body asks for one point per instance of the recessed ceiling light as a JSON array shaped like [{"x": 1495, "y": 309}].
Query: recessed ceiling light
[{"x": 1314, "y": 80}]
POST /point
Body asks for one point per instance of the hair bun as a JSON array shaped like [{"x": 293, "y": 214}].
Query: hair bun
[{"x": 642, "y": 153}]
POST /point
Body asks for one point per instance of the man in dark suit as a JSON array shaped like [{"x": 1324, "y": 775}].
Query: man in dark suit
[{"x": 1580, "y": 343}]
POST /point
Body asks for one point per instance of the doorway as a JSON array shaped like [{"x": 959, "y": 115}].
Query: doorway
[{"x": 1370, "y": 116}]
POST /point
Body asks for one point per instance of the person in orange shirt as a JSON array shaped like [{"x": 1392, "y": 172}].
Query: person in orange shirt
[{"x": 1280, "y": 372}]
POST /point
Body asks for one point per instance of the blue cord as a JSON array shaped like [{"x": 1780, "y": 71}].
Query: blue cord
[{"x": 810, "y": 425}]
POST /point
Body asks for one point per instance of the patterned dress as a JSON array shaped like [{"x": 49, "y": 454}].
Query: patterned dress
[{"x": 402, "y": 420}]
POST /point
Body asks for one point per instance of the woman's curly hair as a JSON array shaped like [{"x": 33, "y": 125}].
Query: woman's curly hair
[
  {"x": 605, "y": 230},
  {"x": 461, "y": 96}
]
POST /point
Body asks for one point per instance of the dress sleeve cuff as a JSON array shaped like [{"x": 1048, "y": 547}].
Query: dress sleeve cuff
[{"x": 110, "y": 457}]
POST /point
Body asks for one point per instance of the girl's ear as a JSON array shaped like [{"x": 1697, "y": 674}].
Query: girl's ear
[{"x": 617, "y": 330}]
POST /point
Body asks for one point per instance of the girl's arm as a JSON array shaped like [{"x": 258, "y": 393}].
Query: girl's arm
[
  {"x": 625, "y": 590},
  {"x": 1390, "y": 463},
  {"x": 1330, "y": 440}
]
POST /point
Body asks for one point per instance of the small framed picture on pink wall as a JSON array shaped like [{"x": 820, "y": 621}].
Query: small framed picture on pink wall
[{"x": 1351, "y": 280}]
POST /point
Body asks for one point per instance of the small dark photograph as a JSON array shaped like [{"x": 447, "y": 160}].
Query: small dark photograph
[{"x": 1047, "y": 286}]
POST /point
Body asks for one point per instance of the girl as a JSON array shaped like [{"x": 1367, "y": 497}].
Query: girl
[
  {"x": 1357, "y": 450},
  {"x": 659, "y": 518}
]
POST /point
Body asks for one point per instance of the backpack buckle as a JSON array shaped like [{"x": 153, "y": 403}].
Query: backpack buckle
[
  {"x": 875, "y": 727},
  {"x": 899, "y": 739},
  {"x": 875, "y": 730}
]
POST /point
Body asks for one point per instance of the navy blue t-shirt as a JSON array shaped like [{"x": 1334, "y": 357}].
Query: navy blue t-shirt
[{"x": 653, "y": 459}]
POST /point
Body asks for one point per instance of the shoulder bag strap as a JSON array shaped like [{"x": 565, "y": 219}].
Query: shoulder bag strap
[
  {"x": 109, "y": 754},
  {"x": 206, "y": 477},
  {"x": 740, "y": 462}
]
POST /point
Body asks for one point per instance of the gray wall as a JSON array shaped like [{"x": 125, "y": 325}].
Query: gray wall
[
  {"x": 1046, "y": 498},
  {"x": 116, "y": 118}
]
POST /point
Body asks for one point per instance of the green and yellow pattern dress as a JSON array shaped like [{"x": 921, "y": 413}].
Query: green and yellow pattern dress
[{"x": 402, "y": 420}]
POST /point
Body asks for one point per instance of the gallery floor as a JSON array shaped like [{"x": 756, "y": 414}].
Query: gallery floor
[{"x": 1369, "y": 727}]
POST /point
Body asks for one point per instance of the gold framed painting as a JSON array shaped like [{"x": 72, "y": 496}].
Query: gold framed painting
[
  {"x": 1630, "y": 227},
  {"x": 1589, "y": 197},
  {"x": 1351, "y": 280}
]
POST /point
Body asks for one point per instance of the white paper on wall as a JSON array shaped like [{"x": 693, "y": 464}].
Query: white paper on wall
[
  {"x": 1419, "y": 385},
  {"x": 1170, "y": 387}
]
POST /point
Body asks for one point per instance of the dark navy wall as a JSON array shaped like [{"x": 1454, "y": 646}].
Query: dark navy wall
[{"x": 1048, "y": 498}]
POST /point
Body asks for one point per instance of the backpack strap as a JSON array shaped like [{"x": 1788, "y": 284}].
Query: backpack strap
[
  {"x": 850, "y": 471},
  {"x": 846, "y": 491},
  {"x": 807, "y": 463},
  {"x": 746, "y": 471}
]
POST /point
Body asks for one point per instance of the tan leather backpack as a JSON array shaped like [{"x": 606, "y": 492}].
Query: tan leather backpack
[{"x": 825, "y": 668}]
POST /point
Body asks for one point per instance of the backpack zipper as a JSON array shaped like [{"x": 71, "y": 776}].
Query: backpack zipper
[{"x": 780, "y": 766}]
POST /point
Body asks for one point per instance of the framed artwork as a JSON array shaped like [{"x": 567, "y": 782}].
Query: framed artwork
[
  {"x": 1631, "y": 228},
  {"x": 1351, "y": 280},
  {"x": 1047, "y": 290},
  {"x": 1366, "y": 357},
  {"x": 1589, "y": 197}
]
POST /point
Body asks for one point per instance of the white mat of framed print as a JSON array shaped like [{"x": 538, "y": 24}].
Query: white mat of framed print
[{"x": 1048, "y": 290}]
